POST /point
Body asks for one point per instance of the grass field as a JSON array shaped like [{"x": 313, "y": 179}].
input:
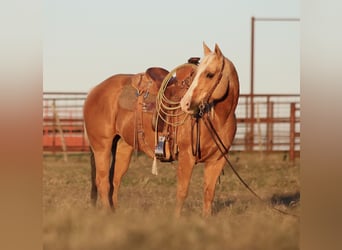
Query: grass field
[{"x": 144, "y": 219}]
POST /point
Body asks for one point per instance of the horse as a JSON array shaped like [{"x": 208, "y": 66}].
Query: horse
[{"x": 207, "y": 92}]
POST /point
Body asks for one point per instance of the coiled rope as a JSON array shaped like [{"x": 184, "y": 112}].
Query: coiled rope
[{"x": 167, "y": 108}]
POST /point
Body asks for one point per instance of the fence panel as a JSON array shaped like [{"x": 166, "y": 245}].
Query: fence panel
[
  {"x": 274, "y": 127},
  {"x": 68, "y": 107},
  {"x": 269, "y": 129}
]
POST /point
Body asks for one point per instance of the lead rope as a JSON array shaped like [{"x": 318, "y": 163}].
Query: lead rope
[{"x": 224, "y": 151}]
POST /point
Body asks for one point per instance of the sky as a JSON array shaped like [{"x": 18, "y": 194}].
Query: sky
[{"x": 87, "y": 41}]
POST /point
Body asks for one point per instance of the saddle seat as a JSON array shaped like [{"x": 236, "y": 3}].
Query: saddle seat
[{"x": 150, "y": 81}]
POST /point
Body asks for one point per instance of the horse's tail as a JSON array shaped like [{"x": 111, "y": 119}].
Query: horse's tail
[
  {"x": 111, "y": 170},
  {"x": 93, "y": 192}
]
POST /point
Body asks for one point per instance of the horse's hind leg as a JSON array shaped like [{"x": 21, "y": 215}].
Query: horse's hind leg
[
  {"x": 212, "y": 171},
  {"x": 102, "y": 155},
  {"x": 122, "y": 160}
]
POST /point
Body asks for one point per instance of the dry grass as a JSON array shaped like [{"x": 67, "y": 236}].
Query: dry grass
[{"x": 145, "y": 219}]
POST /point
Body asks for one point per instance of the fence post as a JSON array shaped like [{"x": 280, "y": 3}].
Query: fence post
[
  {"x": 292, "y": 131},
  {"x": 59, "y": 127},
  {"x": 248, "y": 145},
  {"x": 53, "y": 128},
  {"x": 259, "y": 129},
  {"x": 269, "y": 126}
]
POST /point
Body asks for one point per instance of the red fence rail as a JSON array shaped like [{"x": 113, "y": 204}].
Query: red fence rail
[
  {"x": 68, "y": 107},
  {"x": 275, "y": 126}
]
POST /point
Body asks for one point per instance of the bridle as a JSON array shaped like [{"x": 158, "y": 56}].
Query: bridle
[{"x": 205, "y": 106}]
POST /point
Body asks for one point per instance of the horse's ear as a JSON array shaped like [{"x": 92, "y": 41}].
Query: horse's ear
[
  {"x": 206, "y": 49},
  {"x": 218, "y": 50}
]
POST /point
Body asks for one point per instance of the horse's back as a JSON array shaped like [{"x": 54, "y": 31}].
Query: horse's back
[{"x": 109, "y": 87}]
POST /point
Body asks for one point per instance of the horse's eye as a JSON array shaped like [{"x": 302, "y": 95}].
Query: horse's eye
[{"x": 210, "y": 75}]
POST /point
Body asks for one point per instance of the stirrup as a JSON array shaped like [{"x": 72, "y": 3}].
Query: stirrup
[{"x": 160, "y": 150}]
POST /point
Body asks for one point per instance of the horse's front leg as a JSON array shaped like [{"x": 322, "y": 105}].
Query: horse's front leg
[
  {"x": 184, "y": 172},
  {"x": 212, "y": 171}
]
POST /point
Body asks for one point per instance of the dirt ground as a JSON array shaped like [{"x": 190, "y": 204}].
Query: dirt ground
[{"x": 144, "y": 219}]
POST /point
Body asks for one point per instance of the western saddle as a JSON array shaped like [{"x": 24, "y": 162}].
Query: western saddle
[{"x": 147, "y": 86}]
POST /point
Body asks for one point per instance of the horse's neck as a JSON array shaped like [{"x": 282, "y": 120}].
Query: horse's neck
[
  {"x": 221, "y": 113},
  {"x": 226, "y": 107}
]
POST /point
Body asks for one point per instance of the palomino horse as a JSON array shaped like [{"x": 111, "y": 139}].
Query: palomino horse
[{"x": 115, "y": 129}]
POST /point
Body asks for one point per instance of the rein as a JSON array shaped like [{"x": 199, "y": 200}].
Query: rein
[
  {"x": 220, "y": 145},
  {"x": 196, "y": 151},
  {"x": 203, "y": 113}
]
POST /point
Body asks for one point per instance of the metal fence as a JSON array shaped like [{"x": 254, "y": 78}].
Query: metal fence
[
  {"x": 63, "y": 122},
  {"x": 271, "y": 124}
]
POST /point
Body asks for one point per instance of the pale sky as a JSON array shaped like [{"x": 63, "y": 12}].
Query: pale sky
[{"x": 87, "y": 41}]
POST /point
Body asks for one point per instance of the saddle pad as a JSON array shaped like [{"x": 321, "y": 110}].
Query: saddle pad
[{"x": 128, "y": 99}]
